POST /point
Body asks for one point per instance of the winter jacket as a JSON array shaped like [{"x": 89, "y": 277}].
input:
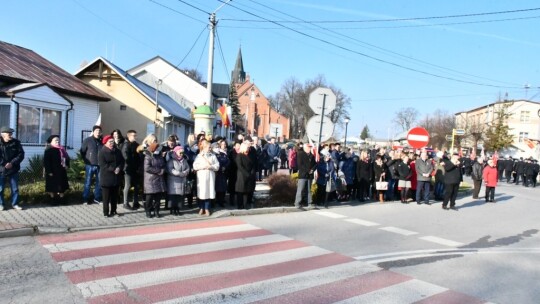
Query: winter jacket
[
  {"x": 90, "y": 149},
  {"x": 452, "y": 173},
  {"x": 325, "y": 171},
  {"x": 306, "y": 164},
  {"x": 56, "y": 180},
  {"x": 108, "y": 161},
  {"x": 292, "y": 158},
  {"x": 10, "y": 152},
  {"x": 221, "y": 174},
  {"x": 206, "y": 164},
  {"x": 348, "y": 167},
  {"x": 392, "y": 165},
  {"x": 423, "y": 167},
  {"x": 154, "y": 170},
  {"x": 490, "y": 176},
  {"x": 273, "y": 151},
  {"x": 477, "y": 170},
  {"x": 404, "y": 171},
  {"x": 177, "y": 171},
  {"x": 363, "y": 171},
  {"x": 131, "y": 157},
  {"x": 244, "y": 178},
  {"x": 378, "y": 170}
]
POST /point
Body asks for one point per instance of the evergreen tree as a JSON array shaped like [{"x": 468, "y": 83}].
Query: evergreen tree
[
  {"x": 235, "y": 107},
  {"x": 498, "y": 135},
  {"x": 365, "y": 133}
]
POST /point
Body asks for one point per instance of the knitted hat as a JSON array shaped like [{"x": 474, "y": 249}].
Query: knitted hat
[
  {"x": 178, "y": 148},
  {"x": 106, "y": 139}
]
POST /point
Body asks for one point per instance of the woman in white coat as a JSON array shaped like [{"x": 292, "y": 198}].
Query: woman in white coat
[{"x": 206, "y": 164}]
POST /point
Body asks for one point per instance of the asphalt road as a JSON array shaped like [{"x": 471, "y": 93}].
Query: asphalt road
[{"x": 487, "y": 250}]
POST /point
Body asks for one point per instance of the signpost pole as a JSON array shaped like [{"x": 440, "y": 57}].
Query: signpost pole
[
  {"x": 322, "y": 116},
  {"x": 453, "y": 137}
]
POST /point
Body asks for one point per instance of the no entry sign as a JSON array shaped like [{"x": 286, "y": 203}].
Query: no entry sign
[{"x": 418, "y": 137}]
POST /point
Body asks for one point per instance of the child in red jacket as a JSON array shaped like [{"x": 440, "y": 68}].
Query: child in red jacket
[{"x": 490, "y": 178}]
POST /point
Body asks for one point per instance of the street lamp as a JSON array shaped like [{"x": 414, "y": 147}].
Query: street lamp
[{"x": 346, "y": 126}]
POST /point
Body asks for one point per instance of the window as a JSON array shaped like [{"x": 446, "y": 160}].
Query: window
[
  {"x": 525, "y": 116},
  {"x": 523, "y": 135},
  {"x": 4, "y": 115},
  {"x": 37, "y": 124}
]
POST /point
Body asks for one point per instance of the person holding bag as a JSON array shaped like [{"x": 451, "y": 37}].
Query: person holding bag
[
  {"x": 379, "y": 172},
  {"x": 326, "y": 176}
]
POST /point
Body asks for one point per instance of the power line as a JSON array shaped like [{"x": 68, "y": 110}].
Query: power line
[
  {"x": 176, "y": 11},
  {"x": 222, "y": 56},
  {"x": 193, "y": 46},
  {"x": 390, "y": 20},
  {"x": 376, "y": 47},
  {"x": 193, "y": 6},
  {"x": 399, "y": 26}
]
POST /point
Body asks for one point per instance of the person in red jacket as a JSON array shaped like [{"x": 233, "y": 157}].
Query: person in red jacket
[{"x": 490, "y": 178}]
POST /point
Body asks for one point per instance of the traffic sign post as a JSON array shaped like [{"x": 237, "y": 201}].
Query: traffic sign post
[
  {"x": 321, "y": 101},
  {"x": 456, "y": 132},
  {"x": 418, "y": 137}
]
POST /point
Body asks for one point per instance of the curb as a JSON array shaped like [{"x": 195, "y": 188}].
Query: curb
[
  {"x": 28, "y": 231},
  {"x": 44, "y": 230}
]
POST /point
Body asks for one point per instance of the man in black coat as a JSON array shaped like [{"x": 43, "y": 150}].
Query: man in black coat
[
  {"x": 508, "y": 168},
  {"x": 501, "y": 163},
  {"x": 306, "y": 168},
  {"x": 89, "y": 152},
  {"x": 519, "y": 169},
  {"x": 11, "y": 156},
  {"x": 452, "y": 179},
  {"x": 131, "y": 169}
]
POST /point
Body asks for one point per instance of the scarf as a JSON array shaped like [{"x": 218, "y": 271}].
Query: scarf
[{"x": 63, "y": 154}]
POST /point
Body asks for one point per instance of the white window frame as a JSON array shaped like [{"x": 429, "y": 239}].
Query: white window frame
[
  {"x": 523, "y": 136},
  {"x": 525, "y": 116},
  {"x": 42, "y": 106}
]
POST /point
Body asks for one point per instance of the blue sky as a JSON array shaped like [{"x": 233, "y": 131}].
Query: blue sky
[{"x": 453, "y": 64}]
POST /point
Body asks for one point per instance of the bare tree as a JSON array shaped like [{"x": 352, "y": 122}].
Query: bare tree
[
  {"x": 405, "y": 118},
  {"x": 439, "y": 124},
  {"x": 193, "y": 74}
]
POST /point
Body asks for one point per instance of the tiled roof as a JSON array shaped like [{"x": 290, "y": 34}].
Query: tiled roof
[{"x": 18, "y": 64}]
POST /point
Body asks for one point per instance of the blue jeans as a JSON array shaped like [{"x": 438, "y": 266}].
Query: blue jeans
[
  {"x": 90, "y": 171},
  {"x": 390, "y": 192},
  {"x": 439, "y": 190},
  {"x": 422, "y": 185},
  {"x": 14, "y": 185}
]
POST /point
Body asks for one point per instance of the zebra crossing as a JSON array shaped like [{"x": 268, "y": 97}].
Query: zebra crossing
[{"x": 226, "y": 261}]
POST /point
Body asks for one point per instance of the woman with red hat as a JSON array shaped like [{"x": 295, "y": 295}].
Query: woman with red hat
[{"x": 111, "y": 164}]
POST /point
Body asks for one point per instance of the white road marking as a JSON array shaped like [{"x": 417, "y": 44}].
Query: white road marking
[
  {"x": 398, "y": 230},
  {"x": 362, "y": 222},
  {"x": 441, "y": 241},
  {"x": 330, "y": 214}
]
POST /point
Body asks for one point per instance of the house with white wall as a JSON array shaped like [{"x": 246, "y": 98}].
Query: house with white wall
[{"x": 39, "y": 99}]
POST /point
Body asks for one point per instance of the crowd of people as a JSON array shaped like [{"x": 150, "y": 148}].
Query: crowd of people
[
  {"x": 401, "y": 174},
  {"x": 205, "y": 169}
]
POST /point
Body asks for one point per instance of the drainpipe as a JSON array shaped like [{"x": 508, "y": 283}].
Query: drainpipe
[
  {"x": 16, "y": 113},
  {"x": 67, "y": 125}
]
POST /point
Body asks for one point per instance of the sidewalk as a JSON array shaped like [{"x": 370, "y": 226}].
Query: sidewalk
[{"x": 43, "y": 219}]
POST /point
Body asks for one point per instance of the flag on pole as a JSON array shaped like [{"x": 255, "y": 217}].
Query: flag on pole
[
  {"x": 222, "y": 111},
  {"x": 529, "y": 143},
  {"x": 482, "y": 154},
  {"x": 473, "y": 153},
  {"x": 495, "y": 158}
]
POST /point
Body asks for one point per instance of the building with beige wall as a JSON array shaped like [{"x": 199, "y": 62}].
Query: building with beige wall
[
  {"x": 523, "y": 121},
  {"x": 133, "y": 103}
]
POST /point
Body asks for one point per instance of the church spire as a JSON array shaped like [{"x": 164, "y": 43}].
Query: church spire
[{"x": 238, "y": 75}]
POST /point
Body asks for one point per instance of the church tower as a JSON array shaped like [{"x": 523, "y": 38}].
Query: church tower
[{"x": 238, "y": 75}]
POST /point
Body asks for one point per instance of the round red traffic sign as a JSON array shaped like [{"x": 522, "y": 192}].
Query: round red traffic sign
[{"x": 418, "y": 137}]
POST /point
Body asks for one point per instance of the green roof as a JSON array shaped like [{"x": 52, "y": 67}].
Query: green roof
[{"x": 204, "y": 109}]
